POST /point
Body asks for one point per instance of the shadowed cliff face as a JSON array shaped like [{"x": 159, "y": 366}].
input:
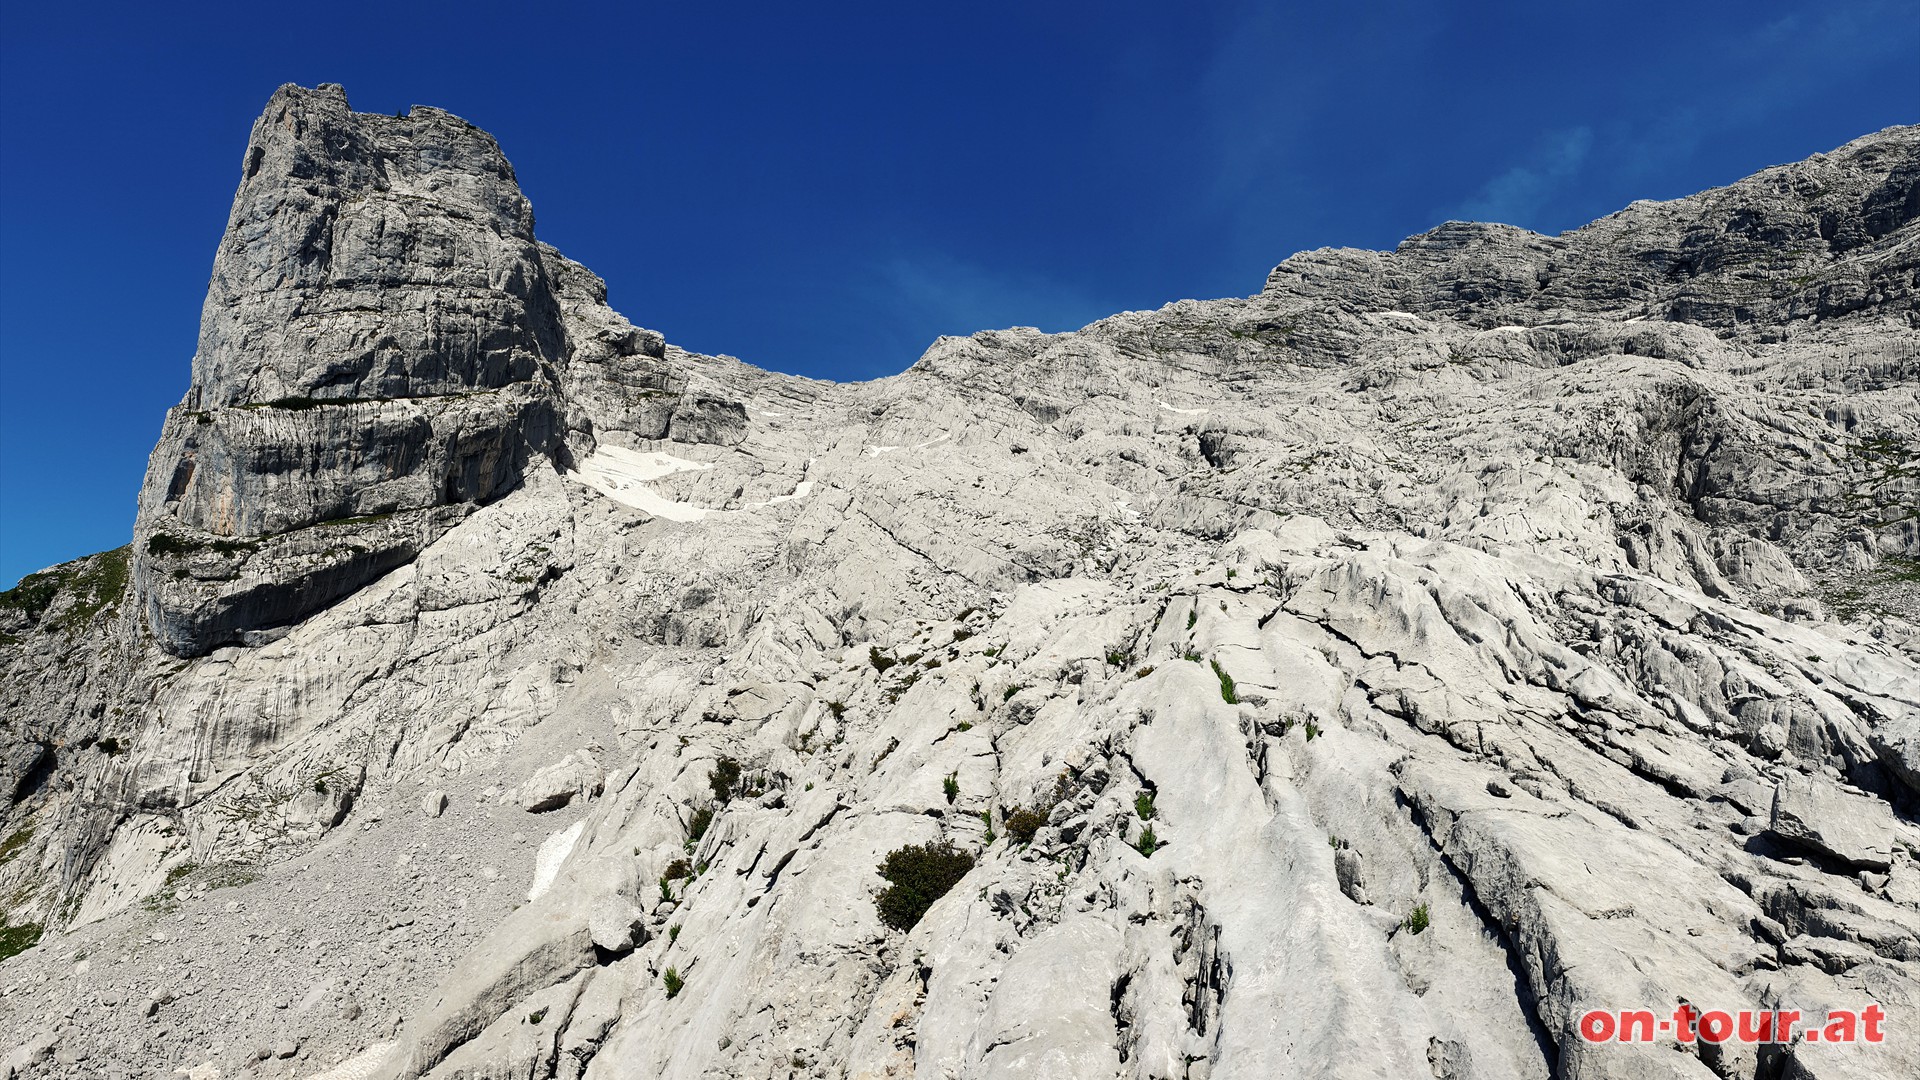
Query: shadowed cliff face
[{"x": 1362, "y": 678}]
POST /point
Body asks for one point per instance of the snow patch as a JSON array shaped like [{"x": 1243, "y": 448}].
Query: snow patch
[
  {"x": 553, "y": 851},
  {"x": 621, "y": 475}
]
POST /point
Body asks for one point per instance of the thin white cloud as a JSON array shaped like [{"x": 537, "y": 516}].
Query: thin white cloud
[
  {"x": 1519, "y": 195},
  {"x": 959, "y": 297}
]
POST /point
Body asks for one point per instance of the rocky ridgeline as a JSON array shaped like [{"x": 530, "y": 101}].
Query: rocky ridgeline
[{"x": 1363, "y": 678}]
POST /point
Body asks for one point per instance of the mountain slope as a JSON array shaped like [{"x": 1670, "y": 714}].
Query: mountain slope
[{"x": 1486, "y": 631}]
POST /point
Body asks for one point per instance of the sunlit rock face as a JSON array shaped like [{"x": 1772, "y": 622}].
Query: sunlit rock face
[{"x": 1364, "y": 678}]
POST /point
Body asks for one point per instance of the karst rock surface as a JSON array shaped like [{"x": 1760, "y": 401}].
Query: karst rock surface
[{"x": 1360, "y": 679}]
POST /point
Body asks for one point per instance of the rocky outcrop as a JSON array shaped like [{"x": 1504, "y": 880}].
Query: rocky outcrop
[
  {"x": 1363, "y": 678},
  {"x": 379, "y": 338},
  {"x": 383, "y": 338}
]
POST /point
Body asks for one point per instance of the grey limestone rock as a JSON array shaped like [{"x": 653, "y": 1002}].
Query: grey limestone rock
[
  {"x": 1811, "y": 812},
  {"x": 1489, "y": 630}
]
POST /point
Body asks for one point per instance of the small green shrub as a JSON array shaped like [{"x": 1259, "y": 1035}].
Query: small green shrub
[
  {"x": 1192, "y": 655},
  {"x": 1023, "y": 823},
  {"x": 666, "y": 891},
  {"x": 697, "y": 825},
  {"x": 673, "y": 933},
  {"x": 917, "y": 876},
  {"x": 536, "y": 1016},
  {"x": 880, "y": 661},
  {"x": 1007, "y": 694},
  {"x": 1143, "y": 672},
  {"x": 964, "y": 725},
  {"x": 952, "y": 787},
  {"x": 1148, "y": 842},
  {"x": 673, "y": 982},
  {"x": 1143, "y": 805},
  {"x": 1119, "y": 658},
  {"x": 1192, "y": 617},
  {"x": 1313, "y": 730},
  {"x": 1227, "y": 692},
  {"x": 162, "y": 544},
  {"x": 1417, "y": 921},
  {"x": 724, "y": 778},
  {"x": 676, "y": 870},
  {"x": 894, "y": 694}
]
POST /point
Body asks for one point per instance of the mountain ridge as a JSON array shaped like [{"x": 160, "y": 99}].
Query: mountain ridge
[{"x": 1386, "y": 588}]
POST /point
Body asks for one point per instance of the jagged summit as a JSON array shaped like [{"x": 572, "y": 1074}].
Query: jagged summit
[
  {"x": 384, "y": 347},
  {"x": 1814, "y": 239},
  {"x": 1366, "y": 677},
  {"x": 372, "y": 257}
]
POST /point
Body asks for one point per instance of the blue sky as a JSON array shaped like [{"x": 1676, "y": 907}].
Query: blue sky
[{"x": 825, "y": 188}]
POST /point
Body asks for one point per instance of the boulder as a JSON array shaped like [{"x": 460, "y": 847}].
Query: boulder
[{"x": 1821, "y": 816}]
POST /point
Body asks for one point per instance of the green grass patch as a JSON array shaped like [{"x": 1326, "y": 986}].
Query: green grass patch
[
  {"x": 15, "y": 940},
  {"x": 1148, "y": 842},
  {"x": 91, "y": 584},
  {"x": 163, "y": 545},
  {"x": 231, "y": 875},
  {"x": 301, "y": 404},
  {"x": 11, "y": 846},
  {"x": 1227, "y": 692}
]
